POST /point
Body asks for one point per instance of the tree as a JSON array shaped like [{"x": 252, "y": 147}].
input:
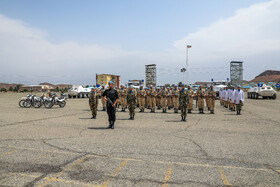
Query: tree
[
  {"x": 180, "y": 84},
  {"x": 16, "y": 89},
  {"x": 11, "y": 89},
  {"x": 3, "y": 90},
  {"x": 57, "y": 89}
]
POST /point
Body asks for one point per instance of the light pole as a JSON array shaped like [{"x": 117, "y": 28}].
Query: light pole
[
  {"x": 183, "y": 70},
  {"x": 187, "y": 63}
]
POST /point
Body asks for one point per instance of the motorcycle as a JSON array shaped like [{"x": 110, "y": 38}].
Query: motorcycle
[{"x": 50, "y": 102}]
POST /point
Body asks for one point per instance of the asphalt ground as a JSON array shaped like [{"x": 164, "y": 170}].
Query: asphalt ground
[{"x": 64, "y": 147}]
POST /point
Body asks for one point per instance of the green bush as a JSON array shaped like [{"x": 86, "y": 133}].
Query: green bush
[{"x": 3, "y": 90}]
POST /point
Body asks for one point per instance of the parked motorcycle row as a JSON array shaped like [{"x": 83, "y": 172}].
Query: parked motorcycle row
[{"x": 48, "y": 102}]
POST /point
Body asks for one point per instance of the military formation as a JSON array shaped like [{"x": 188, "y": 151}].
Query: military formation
[
  {"x": 165, "y": 98},
  {"x": 232, "y": 98}
]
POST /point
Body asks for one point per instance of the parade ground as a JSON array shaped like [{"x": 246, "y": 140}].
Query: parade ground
[{"x": 64, "y": 147}]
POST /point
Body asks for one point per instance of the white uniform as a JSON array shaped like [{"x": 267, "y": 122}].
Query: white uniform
[
  {"x": 232, "y": 96},
  {"x": 239, "y": 96},
  {"x": 226, "y": 95}
]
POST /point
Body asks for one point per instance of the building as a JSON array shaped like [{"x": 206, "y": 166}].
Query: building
[
  {"x": 151, "y": 75},
  {"x": 236, "y": 73},
  {"x": 103, "y": 79},
  {"x": 36, "y": 88}
]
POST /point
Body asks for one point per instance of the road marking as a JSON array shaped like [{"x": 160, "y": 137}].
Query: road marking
[
  {"x": 4, "y": 154},
  {"x": 68, "y": 181},
  {"x": 224, "y": 177},
  {"x": 167, "y": 176},
  {"x": 51, "y": 179},
  {"x": 114, "y": 173}
]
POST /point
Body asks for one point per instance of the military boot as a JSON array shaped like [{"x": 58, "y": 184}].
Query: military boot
[{"x": 110, "y": 125}]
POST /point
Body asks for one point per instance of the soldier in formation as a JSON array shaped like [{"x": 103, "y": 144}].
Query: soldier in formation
[
  {"x": 175, "y": 98},
  {"x": 211, "y": 93},
  {"x": 131, "y": 100},
  {"x": 93, "y": 102},
  {"x": 200, "y": 99},
  {"x": 164, "y": 94},
  {"x": 238, "y": 99},
  {"x": 190, "y": 104},
  {"x": 232, "y": 99},
  {"x": 103, "y": 101},
  {"x": 184, "y": 101},
  {"x": 122, "y": 95},
  {"x": 141, "y": 97}
]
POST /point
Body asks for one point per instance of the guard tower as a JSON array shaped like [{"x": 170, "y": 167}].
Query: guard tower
[
  {"x": 151, "y": 75},
  {"x": 236, "y": 73}
]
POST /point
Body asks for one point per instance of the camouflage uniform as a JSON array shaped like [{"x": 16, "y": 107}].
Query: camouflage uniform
[
  {"x": 169, "y": 99},
  {"x": 153, "y": 100},
  {"x": 190, "y": 105},
  {"x": 184, "y": 101},
  {"x": 207, "y": 99},
  {"x": 131, "y": 101},
  {"x": 175, "y": 99},
  {"x": 122, "y": 95},
  {"x": 200, "y": 99},
  {"x": 93, "y": 103},
  {"x": 149, "y": 98},
  {"x": 212, "y": 97},
  {"x": 164, "y": 94},
  {"x": 158, "y": 99},
  {"x": 103, "y": 101},
  {"x": 141, "y": 94}
]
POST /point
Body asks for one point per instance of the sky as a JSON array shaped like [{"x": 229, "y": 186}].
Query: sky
[{"x": 67, "y": 41}]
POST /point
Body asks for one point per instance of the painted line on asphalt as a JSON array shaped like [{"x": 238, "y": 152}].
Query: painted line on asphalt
[
  {"x": 8, "y": 153},
  {"x": 115, "y": 173},
  {"x": 54, "y": 179},
  {"x": 51, "y": 179},
  {"x": 224, "y": 177},
  {"x": 167, "y": 176}
]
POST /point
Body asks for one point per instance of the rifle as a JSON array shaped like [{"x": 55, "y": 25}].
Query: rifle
[{"x": 110, "y": 101}]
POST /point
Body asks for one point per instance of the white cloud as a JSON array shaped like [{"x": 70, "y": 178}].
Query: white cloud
[
  {"x": 251, "y": 35},
  {"x": 252, "y": 31}
]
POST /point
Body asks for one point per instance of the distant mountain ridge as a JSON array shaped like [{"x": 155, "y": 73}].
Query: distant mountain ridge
[{"x": 268, "y": 76}]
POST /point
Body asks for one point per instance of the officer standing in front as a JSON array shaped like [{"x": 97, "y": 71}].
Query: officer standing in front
[
  {"x": 184, "y": 101},
  {"x": 93, "y": 102},
  {"x": 131, "y": 100},
  {"x": 111, "y": 96}
]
